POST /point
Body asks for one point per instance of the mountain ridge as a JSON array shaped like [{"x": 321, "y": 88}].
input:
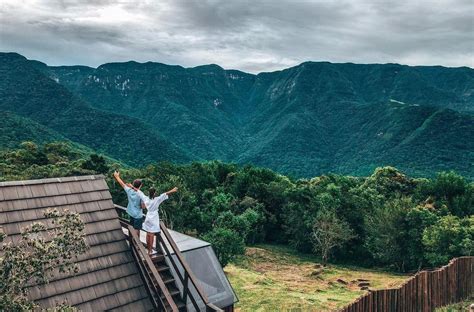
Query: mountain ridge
[
  {"x": 26, "y": 92},
  {"x": 313, "y": 118}
]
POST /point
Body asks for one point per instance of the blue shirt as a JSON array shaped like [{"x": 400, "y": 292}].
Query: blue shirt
[{"x": 134, "y": 203}]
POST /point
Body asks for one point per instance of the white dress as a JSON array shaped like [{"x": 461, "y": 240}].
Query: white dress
[{"x": 152, "y": 220}]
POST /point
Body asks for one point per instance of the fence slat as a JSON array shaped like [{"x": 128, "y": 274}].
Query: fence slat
[{"x": 425, "y": 291}]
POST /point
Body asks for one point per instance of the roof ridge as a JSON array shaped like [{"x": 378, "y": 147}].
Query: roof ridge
[{"x": 52, "y": 180}]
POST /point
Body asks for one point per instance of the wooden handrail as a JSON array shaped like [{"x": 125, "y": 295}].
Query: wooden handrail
[
  {"x": 183, "y": 280},
  {"x": 137, "y": 245},
  {"x": 188, "y": 274},
  {"x": 187, "y": 270}
]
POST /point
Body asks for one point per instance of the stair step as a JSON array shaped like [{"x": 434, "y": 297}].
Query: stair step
[
  {"x": 173, "y": 293},
  {"x": 181, "y": 307},
  {"x": 168, "y": 280},
  {"x": 157, "y": 258},
  {"x": 180, "y": 304},
  {"x": 163, "y": 268}
]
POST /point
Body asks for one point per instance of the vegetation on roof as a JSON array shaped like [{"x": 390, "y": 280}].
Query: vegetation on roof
[{"x": 42, "y": 253}]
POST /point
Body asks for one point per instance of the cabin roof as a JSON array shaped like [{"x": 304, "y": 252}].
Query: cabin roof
[
  {"x": 108, "y": 278},
  {"x": 186, "y": 242}
]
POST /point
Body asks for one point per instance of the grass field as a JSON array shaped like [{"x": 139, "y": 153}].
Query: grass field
[
  {"x": 275, "y": 278},
  {"x": 462, "y": 306}
]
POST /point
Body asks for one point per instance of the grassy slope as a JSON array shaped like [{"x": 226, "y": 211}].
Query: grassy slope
[
  {"x": 462, "y": 306},
  {"x": 274, "y": 278}
]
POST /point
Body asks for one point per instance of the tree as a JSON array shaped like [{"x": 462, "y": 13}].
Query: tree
[
  {"x": 226, "y": 243},
  {"x": 247, "y": 224},
  {"x": 386, "y": 229},
  {"x": 328, "y": 233},
  {"x": 416, "y": 221},
  {"x": 455, "y": 191},
  {"x": 31, "y": 154},
  {"x": 450, "y": 237},
  {"x": 390, "y": 182},
  {"x": 96, "y": 163},
  {"x": 39, "y": 255}
]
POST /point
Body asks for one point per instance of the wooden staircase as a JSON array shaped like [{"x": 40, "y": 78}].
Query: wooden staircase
[
  {"x": 163, "y": 283},
  {"x": 164, "y": 271}
]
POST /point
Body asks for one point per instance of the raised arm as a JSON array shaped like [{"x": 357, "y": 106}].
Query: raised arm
[
  {"x": 173, "y": 190},
  {"x": 119, "y": 180}
]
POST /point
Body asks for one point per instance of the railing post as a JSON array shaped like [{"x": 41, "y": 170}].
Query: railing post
[
  {"x": 185, "y": 287},
  {"x": 157, "y": 243}
]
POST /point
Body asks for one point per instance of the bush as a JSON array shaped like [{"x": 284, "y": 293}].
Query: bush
[
  {"x": 450, "y": 237},
  {"x": 226, "y": 243}
]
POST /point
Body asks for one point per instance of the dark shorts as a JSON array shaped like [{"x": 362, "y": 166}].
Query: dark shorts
[{"x": 136, "y": 223}]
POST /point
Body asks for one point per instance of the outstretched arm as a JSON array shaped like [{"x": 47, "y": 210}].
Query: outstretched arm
[
  {"x": 173, "y": 190},
  {"x": 119, "y": 180},
  {"x": 164, "y": 196}
]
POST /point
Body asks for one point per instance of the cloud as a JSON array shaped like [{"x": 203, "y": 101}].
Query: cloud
[{"x": 252, "y": 36}]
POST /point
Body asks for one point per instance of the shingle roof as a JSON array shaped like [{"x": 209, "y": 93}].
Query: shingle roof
[{"x": 108, "y": 278}]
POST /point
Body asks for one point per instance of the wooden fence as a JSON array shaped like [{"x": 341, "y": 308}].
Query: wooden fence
[{"x": 424, "y": 292}]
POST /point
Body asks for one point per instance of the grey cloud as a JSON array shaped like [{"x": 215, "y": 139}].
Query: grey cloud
[{"x": 248, "y": 35}]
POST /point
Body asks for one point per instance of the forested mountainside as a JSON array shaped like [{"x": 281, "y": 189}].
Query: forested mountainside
[
  {"x": 16, "y": 130},
  {"x": 28, "y": 93},
  {"x": 306, "y": 120}
]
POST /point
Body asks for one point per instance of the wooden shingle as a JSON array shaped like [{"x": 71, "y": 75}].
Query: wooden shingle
[{"x": 108, "y": 277}]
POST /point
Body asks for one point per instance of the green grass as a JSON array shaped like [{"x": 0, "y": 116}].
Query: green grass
[
  {"x": 461, "y": 306},
  {"x": 276, "y": 278}
]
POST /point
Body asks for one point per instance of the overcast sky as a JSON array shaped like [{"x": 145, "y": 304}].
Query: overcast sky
[{"x": 253, "y": 36}]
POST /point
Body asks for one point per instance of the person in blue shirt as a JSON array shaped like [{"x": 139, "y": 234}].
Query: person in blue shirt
[{"x": 134, "y": 207}]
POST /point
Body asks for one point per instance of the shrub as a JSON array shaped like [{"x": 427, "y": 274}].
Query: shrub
[
  {"x": 226, "y": 243},
  {"x": 450, "y": 237}
]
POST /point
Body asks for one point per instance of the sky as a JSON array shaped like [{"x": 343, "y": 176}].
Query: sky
[{"x": 253, "y": 36}]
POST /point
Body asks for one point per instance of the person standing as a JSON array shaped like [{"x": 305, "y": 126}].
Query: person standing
[
  {"x": 134, "y": 207},
  {"x": 152, "y": 221}
]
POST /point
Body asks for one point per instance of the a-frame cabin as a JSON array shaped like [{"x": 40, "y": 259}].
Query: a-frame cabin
[{"x": 116, "y": 273}]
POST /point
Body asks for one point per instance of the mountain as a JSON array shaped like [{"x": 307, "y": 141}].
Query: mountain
[
  {"x": 27, "y": 92},
  {"x": 307, "y": 120},
  {"x": 325, "y": 116},
  {"x": 200, "y": 109},
  {"x": 15, "y": 130}
]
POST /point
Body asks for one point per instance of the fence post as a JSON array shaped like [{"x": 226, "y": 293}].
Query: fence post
[{"x": 425, "y": 291}]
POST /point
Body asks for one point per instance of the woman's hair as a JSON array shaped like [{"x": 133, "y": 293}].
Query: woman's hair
[
  {"x": 152, "y": 192},
  {"x": 137, "y": 183}
]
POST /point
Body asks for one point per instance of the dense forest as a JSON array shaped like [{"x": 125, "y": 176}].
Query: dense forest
[{"x": 387, "y": 219}]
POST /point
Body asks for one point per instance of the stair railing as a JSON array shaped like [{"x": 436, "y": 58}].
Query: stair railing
[
  {"x": 188, "y": 279},
  {"x": 149, "y": 272},
  {"x": 146, "y": 267}
]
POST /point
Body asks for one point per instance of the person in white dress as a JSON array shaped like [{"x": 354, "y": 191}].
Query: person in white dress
[{"x": 152, "y": 221}]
